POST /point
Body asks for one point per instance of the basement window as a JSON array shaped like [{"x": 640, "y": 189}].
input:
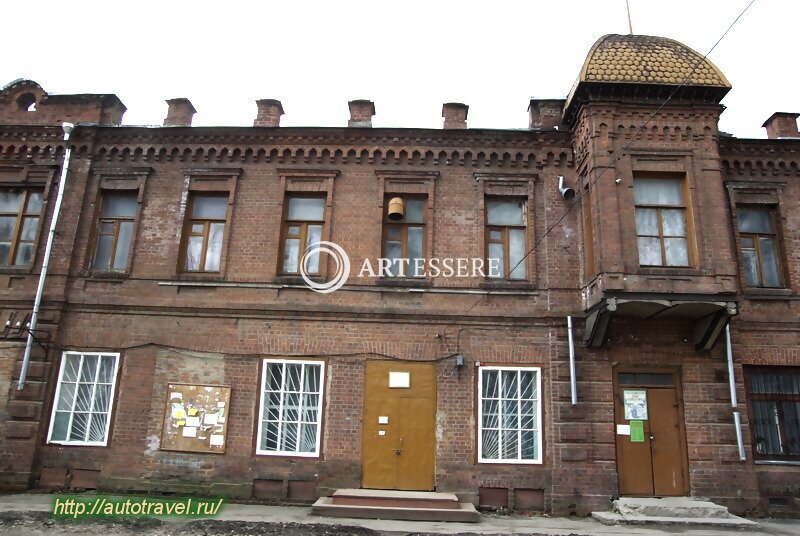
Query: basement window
[
  {"x": 291, "y": 408},
  {"x": 84, "y": 399},
  {"x": 509, "y": 415}
]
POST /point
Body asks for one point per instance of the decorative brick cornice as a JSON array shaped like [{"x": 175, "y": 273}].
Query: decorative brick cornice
[{"x": 763, "y": 158}]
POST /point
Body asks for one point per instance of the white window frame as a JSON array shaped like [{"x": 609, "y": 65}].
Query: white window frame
[
  {"x": 539, "y": 430},
  {"x": 317, "y": 448},
  {"x": 67, "y": 441}
]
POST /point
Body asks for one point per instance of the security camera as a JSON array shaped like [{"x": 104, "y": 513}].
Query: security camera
[{"x": 566, "y": 192}]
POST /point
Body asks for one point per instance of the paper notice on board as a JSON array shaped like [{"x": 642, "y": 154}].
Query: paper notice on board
[
  {"x": 220, "y": 404},
  {"x": 637, "y": 431},
  {"x": 623, "y": 429},
  {"x": 210, "y": 418},
  {"x": 189, "y": 431},
  {"x": 178, "y": 413},
  {"x": 192, "y": 411},
  {"x": 176, "y": 396},
  {"x": 193, "y": 421},
  {"x": 217, "y": 440}
]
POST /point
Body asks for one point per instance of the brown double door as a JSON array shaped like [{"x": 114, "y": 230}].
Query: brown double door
[
  {"x": 652, "y": 463},
  {"x": 399, "y": 441}
]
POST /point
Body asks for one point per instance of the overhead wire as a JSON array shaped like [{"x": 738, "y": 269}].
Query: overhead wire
[{"x": 617, "y": 158}]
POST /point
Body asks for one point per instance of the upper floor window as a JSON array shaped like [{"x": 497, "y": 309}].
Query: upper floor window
[
  {"x": 204, "y": 232},
  {"x": 20, "y": 212},
  {"x": 83, "y": 400},
  {"x": 509, "y": 415},
  {"x": 114, "y": 231},
  {"x": 759, "y": 243},
  {"x": 404, "y": 235},
  {"x": 505, "y": 238},
  {"x": 302, "y": 227},
  {"x": 774, "y": 394},
  {"x": 661, "y": 222}
]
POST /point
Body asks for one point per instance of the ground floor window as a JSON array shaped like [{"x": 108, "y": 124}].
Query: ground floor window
[
  {"x": 509, "y": 415},
  {"x": 291, "y": 407},
  {"x": 774, "y": 395},
  {"x": 84, "y": 397}
]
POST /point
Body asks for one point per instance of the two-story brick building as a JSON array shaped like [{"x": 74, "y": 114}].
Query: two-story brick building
[{"x": 178, "y": 348}]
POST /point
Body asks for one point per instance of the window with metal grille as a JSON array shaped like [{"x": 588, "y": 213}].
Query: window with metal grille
[
  {"x": 509, "y": 415},
  {"x": 291, "y": 408},
  {"x": 84, "y": 399},
  {"x": 774, "y": 396}
]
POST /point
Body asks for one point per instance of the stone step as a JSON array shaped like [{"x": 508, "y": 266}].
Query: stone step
[
  {"x": 614, "y": 518},
  {"x": 392, "y": 498},
  {"x": 465, "y": 513},
  {"x": 669, "y": 507}
]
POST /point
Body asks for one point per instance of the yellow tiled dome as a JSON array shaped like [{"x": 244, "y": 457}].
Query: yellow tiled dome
[{"x": 644, "y": 59}]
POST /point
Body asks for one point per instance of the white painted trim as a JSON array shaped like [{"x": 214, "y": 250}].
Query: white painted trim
[
  {"x": 67, "y": 442},
  {"x": 317, "y": 453},
  {"x": 539, "y": 429}
]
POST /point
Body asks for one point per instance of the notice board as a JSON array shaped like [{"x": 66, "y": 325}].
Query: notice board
[{"x": 196, "y": 418}]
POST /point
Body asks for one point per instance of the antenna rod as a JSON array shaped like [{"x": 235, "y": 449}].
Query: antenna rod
[{"x": 630, "y": 24}]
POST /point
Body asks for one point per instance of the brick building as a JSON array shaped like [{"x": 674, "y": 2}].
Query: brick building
[{"x": 176, "y": 262}]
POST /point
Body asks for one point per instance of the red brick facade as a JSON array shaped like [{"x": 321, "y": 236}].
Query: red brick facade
[{"x": 173, "y": 327}]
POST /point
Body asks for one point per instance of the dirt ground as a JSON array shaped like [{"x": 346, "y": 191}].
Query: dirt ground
[{"x": 38, "y": 523}]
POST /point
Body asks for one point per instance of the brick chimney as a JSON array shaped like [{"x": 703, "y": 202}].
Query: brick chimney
[
  {"x": 455, "y": 115},
  {"x": 179, "y": 113},
  {"x": 361, "y": 112},
  {"x": 545, "y": 113},
  {"x": 782, "y": 125},
  {"x": 269, "y": 113}
]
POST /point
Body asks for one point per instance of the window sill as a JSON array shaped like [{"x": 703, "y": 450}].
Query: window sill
[
  {"x": 403, "y": 282},
  {"x": 777, "y": 462},
  {"x": 669, "y": 270},
  {"x": 503, "y": 284},
  {"x": 76, "y": 444},
  {"x": 200, "y": 276},
  {"x": 754, "y": 293},
  {"x": 16, "y": 270},
  {"x": 295, "y": 280},
  {"x": 107, "y": 275},
  {"x": 510, "y": 462}
]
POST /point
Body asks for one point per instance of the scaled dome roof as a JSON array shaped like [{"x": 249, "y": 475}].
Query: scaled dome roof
[{"x": 645, "y": 59}]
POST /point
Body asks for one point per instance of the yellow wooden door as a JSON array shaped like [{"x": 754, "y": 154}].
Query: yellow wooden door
[{"x": 399, "y": 441}]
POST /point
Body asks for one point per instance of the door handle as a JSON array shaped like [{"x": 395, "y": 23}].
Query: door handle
[{"x": 399, "y": 450}]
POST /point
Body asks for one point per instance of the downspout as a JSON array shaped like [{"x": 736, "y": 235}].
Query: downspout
[
  {"x": 573, "y": 380},
  {"x": 68, "y": 128},
  {"x": 737, "y": 420}
]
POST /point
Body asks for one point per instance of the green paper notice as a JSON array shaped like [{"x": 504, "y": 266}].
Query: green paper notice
[{"x": 637, "y": 431}]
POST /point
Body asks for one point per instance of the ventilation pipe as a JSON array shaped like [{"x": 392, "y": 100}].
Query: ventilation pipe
[
  {"x": 68, "y": 128},
  {"x": 573, "y": 380},
  {"x": 737, "y": 419}
]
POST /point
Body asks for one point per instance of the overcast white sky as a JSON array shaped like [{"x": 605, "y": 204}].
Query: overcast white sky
[{"x": 408, "y": 57}]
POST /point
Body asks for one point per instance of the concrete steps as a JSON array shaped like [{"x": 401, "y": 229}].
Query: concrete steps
[
  {"x": 669, "y": 511},
  {"x": 390, "y": 504}
]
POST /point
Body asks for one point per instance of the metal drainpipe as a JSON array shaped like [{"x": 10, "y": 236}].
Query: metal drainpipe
[
  {"x": 573, "y": 380},
  {"x": 68, "y": 128},
  {"x": 737, "y": 420}
]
